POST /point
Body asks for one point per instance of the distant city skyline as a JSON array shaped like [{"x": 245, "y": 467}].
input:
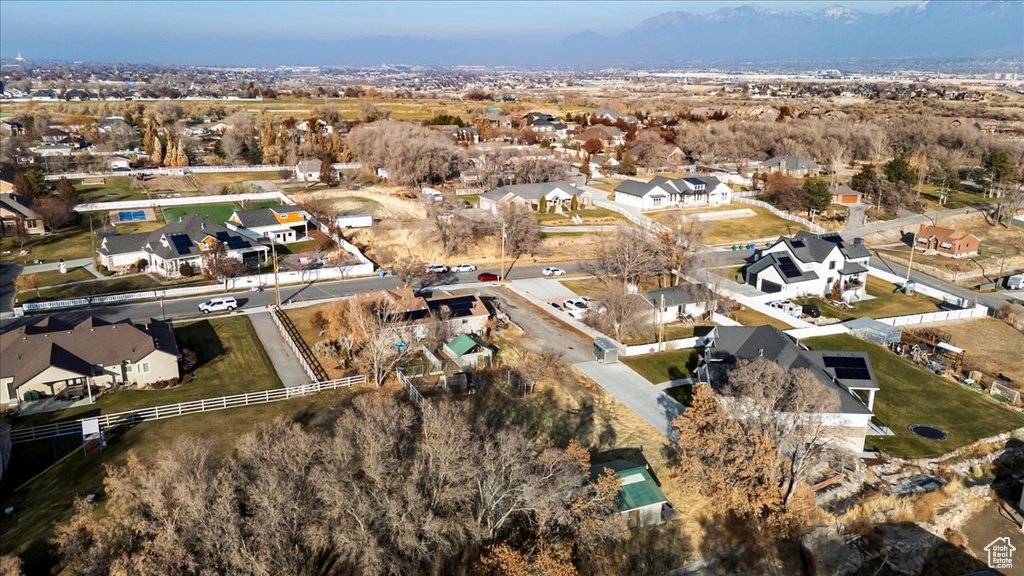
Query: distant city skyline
[{"x": 232, "y": 32}]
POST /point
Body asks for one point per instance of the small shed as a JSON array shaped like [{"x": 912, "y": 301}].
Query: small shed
[
  {"x": 640, "y": 498},
  {"x": 874, "y": 331},
  {"x": 469, "y": 352},
  {"x": 606, "y": 351}
]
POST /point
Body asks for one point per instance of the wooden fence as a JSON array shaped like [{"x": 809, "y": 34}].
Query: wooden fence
[{"x": 183, "y": 408}]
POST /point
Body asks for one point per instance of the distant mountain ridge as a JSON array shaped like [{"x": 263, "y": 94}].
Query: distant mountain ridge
[{"x": 749, "y": 33}]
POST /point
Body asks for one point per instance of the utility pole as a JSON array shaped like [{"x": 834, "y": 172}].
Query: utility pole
[
  {"x": 277, "y": 285},
  {"x": 913, "y": 248},
  {"x": 661, "y": 325},
  {"x": 1001, "y": 262},
  {"x": 501, "y": 272}
]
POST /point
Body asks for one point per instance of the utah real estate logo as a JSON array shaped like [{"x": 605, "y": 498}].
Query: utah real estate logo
[{"x": 1000, "y": 553}]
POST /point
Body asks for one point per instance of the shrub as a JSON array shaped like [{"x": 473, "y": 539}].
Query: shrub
[
  {"x": 327, "y": 349},
  {"x": 320, "y": 322},
  {"x": 142, "y": 264},
  {"x": 186, "y": 269},
  {"x": 189, "y": 360}
]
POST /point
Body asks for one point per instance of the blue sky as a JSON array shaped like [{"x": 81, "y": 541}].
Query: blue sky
[{"x": 218, "y": 32}]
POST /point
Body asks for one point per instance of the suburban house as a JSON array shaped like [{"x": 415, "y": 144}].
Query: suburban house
[
  {"x": 16, "y": 212},
  {"x": 119, "y": 163},
  {"x": 848, "y": 375},
  {"x": 614, "y": 116},
  {"x": 54, "y": 136},
  {"x": 308, "y": 171},
  {"x": 672, "y": 303},
  {"x": 608, "y": 135},
  {"x": 843, "y": 194},
  {"x": 810, "y": 265},
  {"x": 280, "y": 224},
  {"x": 460, "y": 134},
  {"x": 640, "y": 499},
  {"x": 466, "y": 314},
  {"x": 794, "y": 166},
  {"x": 661, "y": 192},
  {"x": 187, "y": 241},
  {"x": 557, "y": 195},
  {"x": 946, "y": 241},
  {"x": 469, "y": 352},
  {"x": 546, "y": 125},
  {"x": 51, "y": 358}
]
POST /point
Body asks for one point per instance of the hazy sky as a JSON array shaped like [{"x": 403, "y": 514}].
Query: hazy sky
[{"x": 118, "y": 31}]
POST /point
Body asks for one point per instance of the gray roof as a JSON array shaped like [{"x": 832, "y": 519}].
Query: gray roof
[
  {"x": 792, "y": 163},
  {"x": 530, "y": 191},
  {"x": 633, "y": 188},
  {"x": 177, "y": 239},
  {"x": 853, "y": 268},
  {"x": 674, "y": 296},
  {"x": 869, "y": 323},
  {"x": 30, "y": 349},
  {"x": 263, "y": 216},
  {"x": 686, "y": 185},
  {"x": 808, "y": 247},
  {"x": 733, "y": 343},
  {"x": 19, "y": 204},
  {"x": 784, "y": 265}
]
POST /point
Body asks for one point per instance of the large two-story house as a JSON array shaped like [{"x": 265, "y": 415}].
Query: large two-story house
[
  {"x": 810, "y": 265},
  {"x": 280, "y": 224},
  {"x": 186, "y": 241},
  {"x": 848, "y": 376},
  {"x": 661, "y": 192}
]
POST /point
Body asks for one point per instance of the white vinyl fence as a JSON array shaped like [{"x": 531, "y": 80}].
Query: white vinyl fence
[
  {"x": 680, "y": 344},
  {"x": 918, "y": 287},
  {"x": 184, "y": 408},
  {"x": 831, "y": 329},
  {"x": 183, "y": 201},
  {"x": 785, "y": 215},
  {"x": 642, "y": 221},
  {"x": 945, "y": 316},
  {"x": 173, "y": 171}
]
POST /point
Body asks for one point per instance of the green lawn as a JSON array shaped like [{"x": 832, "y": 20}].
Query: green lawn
[
  {"x": 68, "y": 243},
  {"x": 52, "y": 277},
  {"x": 261, "y": 204},
  {"x": 886, "y": 303},
  {"x": 664, "y": 366},
  {"x": 682, "y": 394},
  {"x": 954, "y": 198},
  {"x": 231, "y": 361},
  {"x": 113, "y": 189},
  {"x": 225, "y": 178},
  {"x": 218, "y": 213},
  {"x": 909, "y": 394},
  {"x": 742, "y": 230},
  {"x": 42, "y": 491},
  {"x": 749, "y": 317},
  {"x": 113, "y": 285}
]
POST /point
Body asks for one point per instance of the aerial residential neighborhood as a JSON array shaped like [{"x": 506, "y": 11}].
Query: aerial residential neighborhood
[{"x": 675, "y": 288}]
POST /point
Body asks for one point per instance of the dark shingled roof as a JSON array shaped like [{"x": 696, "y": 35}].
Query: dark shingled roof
[
  {"x": 674, "y": 296},
  {"x": 786, "y": 268},
  {"x": 263, "y": 216},
  {"x": 733, "y": 343},
  {"x": 177, "y": 239}
]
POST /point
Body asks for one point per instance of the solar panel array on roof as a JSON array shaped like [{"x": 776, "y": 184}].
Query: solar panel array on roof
[
  {"x": 233, "y": 242},
  {"x": 847, "y": 368},
  {"x": 461, "y": 306},
  {"x": 797, "y": 243},
  {"x": 182, "y": 243},
  {"x": 788, "y": 267}
]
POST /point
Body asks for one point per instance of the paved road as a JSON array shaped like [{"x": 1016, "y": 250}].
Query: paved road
[{"x": 908, "y": 222}]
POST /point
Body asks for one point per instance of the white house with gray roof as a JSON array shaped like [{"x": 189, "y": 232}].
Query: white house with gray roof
[
  {"x": 557, "y": 195},
  {"x": 661, "y": 192},
  {"x": 848, "y": 376},
  {"x": 810, "y": 265},
  {"x": 187, "y": 241},
  {"x": 795, "y": 166}
]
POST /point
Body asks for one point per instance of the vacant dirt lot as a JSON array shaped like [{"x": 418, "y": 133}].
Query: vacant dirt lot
[
  {"x": 162, "y": 183},
  {"x": 991, "y": 346}
]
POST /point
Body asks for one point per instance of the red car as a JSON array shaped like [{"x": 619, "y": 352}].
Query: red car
[{"x": 488, "y": 277}]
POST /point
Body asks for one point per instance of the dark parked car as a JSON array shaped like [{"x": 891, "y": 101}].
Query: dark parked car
[
  {"x": 487, "y": 277},
  {"x": 811, "y": 310}
]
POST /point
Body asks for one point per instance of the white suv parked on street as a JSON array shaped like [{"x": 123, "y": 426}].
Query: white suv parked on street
[{"x": 224, "y": 304}]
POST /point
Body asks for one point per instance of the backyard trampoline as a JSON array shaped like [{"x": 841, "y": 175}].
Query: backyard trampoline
[{"x": 928, "y": 432}]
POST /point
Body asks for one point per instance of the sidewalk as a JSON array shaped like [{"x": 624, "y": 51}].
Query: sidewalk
[
  {"x": 281, "y": 356},
  {"x": 76, "y": 263}
]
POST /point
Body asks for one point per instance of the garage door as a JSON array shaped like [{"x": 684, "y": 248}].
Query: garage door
[{"x": 770, "y": 287}]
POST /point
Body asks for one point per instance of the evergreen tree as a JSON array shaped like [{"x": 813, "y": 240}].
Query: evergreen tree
[
  {"x": 542, "y": 206},
  {"x": 627, "y": 165},
  {"x": 898, "y": 170},
  {"x": 574, "y": 204},
  {"x": 817, "y": 196}
]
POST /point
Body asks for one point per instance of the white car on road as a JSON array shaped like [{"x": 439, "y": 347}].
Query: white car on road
[
  {"x": 552, "y": 271},
  {"x": 437, "y": 269},
  {"x": 224, "y": 304},
  {"x": 464, "y": 268}
]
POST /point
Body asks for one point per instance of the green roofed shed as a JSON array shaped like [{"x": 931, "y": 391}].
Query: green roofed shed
[
  {"x": 640, "y": 498},
  {"x": 468, "y": 351}
]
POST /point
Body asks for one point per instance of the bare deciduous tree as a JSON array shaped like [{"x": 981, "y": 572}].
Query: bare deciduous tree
[
  {"x": 52, "y": 211},
  {"x": 617, "y": 312},
  {"x": 519, "y": 228},
  {"x": 629, "y": 258}
]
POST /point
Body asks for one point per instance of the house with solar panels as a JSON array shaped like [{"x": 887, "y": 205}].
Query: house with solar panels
[
  {"x": 810, "y": 265},
  {"x": 848, "y": 376},
  {"x": 661, "y": 192},
  {"x": 186, "y": 241}
]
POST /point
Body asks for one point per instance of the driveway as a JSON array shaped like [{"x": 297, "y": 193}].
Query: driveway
[
  {"x": 287, "y": 365},
  {"x": 549, "y": 334}
]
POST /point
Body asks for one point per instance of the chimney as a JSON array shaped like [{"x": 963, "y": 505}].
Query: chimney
[
  {"x": 858, "y": 241},
  {"x": 760, "y": 352}
]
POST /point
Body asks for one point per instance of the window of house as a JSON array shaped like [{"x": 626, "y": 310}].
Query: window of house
[
  {"x": 144, "y": 368},
  {"x": 832, "y": 265},
  {"x": 128, "y": 367}
]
